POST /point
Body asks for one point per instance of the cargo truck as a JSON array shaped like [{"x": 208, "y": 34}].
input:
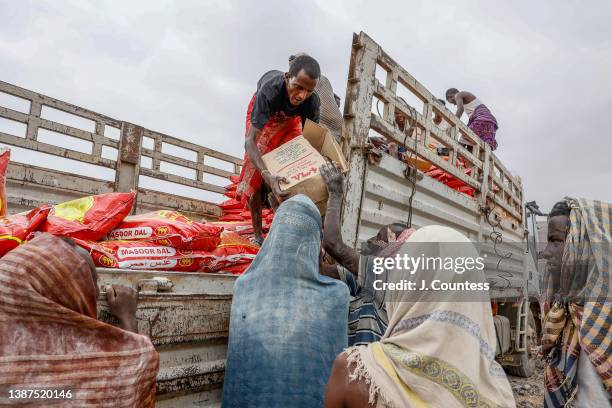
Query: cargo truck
[{"x": 62, "y": 152}]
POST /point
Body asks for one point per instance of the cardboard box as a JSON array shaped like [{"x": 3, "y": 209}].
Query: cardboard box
[{"x": 299, "y": 161}]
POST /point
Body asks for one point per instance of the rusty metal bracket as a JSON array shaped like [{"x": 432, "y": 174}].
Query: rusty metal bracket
[
  {"x": 155, "y": 285},
  {"x": 372, "y": 153},
  {"x": 411, "y": 172}
]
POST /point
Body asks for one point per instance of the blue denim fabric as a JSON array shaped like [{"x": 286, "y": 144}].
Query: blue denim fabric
[{"x": 288, "y": 322}]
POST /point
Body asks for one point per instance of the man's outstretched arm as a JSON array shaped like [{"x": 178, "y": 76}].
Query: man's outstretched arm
[
  {"x": 250, "y": 145},
  {"x": 332, "y": 236}
]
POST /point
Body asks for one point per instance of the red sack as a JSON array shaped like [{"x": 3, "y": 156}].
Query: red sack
[
  {"x": 230, "y": 193},
  {"x": 237, "y": 269},
  {"x": 239, "y": 227},
  {"x": 231, "y": 187},
  {"x": 5, "y": 157},
  {"x": 231, "y": 204},
  {"x": 235, "y": 179},
  {"x": 231, "y": 217},
  {"x": 89, "y": 218},
  {"x": 142, "y": 256},
  {"x": 168, "y": 228},
  {"x": 234, "y": 211},
  {"x": 233, "y": 250},
  {"x": 247, "y": 214},
  {"x": 15, "y": 229},
  {"x": 466, "y": 190}
]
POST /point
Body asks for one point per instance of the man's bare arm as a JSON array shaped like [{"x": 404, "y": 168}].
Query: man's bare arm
[
  {"x": 250, "y": 145},
  {"x": 341, "y": 392},
  {"x": 459, "y": 99},
  {"x": 332, "y": 236}
]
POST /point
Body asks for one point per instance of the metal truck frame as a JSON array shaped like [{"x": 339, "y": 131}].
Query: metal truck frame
[{"x": 379, "y": 192}]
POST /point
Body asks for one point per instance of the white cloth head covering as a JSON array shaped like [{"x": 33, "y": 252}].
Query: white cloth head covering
[{"x": 437, "y": 351}]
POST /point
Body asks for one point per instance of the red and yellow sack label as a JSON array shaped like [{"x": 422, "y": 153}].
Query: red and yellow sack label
[
  {"x": 74, "y": 210},
  {"x": 168, "y": 228}
]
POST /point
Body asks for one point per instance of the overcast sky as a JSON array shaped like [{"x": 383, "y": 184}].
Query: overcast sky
[{"x": 188, "y": 68}]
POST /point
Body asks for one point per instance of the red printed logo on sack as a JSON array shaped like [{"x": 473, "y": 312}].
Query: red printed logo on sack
[
  {"x": 163, "y": 230},
  {"x": 186, "y": 262},
  {"x": 106, "y": 261}
]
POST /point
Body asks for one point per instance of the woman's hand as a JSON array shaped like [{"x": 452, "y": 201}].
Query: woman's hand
[{"x": 122, "y": 302}]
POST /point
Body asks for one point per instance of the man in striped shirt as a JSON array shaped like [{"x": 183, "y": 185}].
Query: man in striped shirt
[{"x": 367, "y": 313}]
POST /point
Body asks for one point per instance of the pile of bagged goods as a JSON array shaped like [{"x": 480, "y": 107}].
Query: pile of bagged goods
[
  {"x": 236, "y": 216},
  {"x": 168, "y": 240},
  {"x": 159, "y": 240}
]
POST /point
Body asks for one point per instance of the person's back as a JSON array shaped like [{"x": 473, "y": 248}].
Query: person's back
[
  {"x": 287, "y": 322},
  {"x": 50, "y": 335},
  {"x": 471, "y": 106},
  {"x": 416, "y": 363}
]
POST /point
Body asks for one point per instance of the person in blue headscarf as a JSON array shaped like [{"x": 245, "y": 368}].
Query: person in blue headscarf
[{"x": 288, "y": 322}]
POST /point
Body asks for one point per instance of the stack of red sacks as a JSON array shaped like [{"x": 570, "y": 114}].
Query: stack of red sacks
[
  {"x": 87, "y": 218},
  {"x": 236, "y": 216},
  {"x": 451, "y": 181},
  {"x": 167, "y": 240},
  {"x": 160, "y": 240}
]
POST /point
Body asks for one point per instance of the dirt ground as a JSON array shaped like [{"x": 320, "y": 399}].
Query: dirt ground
[{"x": 529, "y": 392}]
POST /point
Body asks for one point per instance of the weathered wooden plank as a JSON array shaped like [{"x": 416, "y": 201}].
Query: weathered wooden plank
[
  {"x": 384, "y": 94},
  {"x": 182, "y": 180},
  {"x": 40, "y": 99},
  {"x": 191, "y": 146},
  {"x": 384, "y": 128},
  {"x": 55, "y": 150},
  {"x": 198, "y": 166},
  {"x": 11, "y": 114},
  {"x": 149, "y": 200},
  {"x": 77, "y": 133},
  {"x": 22, "y": 174},
  {"x": 358, "y": 103},
  {"x": 31, "y": 186}
]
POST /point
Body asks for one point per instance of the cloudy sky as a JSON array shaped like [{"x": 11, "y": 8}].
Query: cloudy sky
[{"x": 188, "y": 68}]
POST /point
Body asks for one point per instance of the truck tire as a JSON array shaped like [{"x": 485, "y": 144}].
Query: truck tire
[{"x": 528, "y": 357}]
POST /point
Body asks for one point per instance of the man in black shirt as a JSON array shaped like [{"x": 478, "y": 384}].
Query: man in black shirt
[{"x": 276, "y": 114}]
